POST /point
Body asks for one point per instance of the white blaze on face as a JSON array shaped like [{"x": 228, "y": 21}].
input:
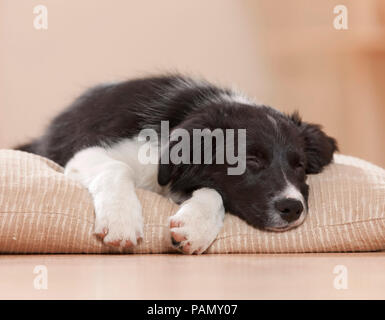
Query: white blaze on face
[
  {"x": 289, "y": 192},
  {"x": 292, "y": 192}
]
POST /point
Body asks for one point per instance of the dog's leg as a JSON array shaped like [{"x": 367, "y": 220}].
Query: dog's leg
[
  {"x": 118, "y": 211},
  {"x": 198, "y": 221}
]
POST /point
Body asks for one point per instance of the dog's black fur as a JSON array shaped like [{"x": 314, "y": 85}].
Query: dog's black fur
[{"x": 109, "y": 113}]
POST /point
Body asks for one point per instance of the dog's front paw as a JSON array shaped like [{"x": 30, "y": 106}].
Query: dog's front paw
[
  {"x": 119, "y": 221},
  {"x": 195, "y": 226}
]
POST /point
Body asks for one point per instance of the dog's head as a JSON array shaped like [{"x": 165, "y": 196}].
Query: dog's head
[{"x": 271, "y": 192}]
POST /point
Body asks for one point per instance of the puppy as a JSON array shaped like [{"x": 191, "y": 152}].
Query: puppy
[{"x": 99, "y": 139}]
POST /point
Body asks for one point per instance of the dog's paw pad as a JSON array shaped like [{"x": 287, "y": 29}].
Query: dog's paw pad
[
  {"x": 186, "y": 248},
  {"x": 119, "y": 223},
  {"x": 115, "y": 243},
  {"x": 123, "y": 234},
  {"x": 177, "y": 238},
  {"x": 101, "y": 234},
  {"x": 193, "y": 235},
  {"x": 175, "y": 224},
  {"x": 123, "y": 243},
  {"x": 198, "y": 221}
]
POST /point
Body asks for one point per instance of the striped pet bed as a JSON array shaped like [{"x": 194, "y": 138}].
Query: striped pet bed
[{"x": 43, "y": 211}]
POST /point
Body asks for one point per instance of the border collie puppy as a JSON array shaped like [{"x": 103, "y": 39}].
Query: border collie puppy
[{"x": 97, "y": 139}]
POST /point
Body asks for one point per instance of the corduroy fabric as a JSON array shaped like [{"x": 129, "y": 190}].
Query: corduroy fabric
[{"x": 42, "y": 211}]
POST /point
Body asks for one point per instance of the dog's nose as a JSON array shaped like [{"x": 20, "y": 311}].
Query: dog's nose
[{"x": 290, "y": 209}]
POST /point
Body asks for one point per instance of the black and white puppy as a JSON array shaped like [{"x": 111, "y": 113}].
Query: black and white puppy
[{"x": 97, "y": 140}]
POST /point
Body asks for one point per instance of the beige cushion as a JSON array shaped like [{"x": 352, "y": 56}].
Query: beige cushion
[{"x": 42, "y": 211}]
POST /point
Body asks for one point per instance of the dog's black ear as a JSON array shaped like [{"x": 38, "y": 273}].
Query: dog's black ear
[
  {"x": 319, "y": 147},
  {"x": 169, "y": 168},
  {"x": 164, "y": 174},
  {"x": 166, "y": 167}
]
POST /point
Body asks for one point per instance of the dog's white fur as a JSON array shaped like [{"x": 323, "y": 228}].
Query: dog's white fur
[
  {"x": 111, "y": 182},
  {"x": 201, "y": 218},
  {"x": 289, "y": 192},
  {"x": 111, "y": 175}
]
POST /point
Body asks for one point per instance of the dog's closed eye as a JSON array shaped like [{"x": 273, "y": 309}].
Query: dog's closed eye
[
  {"x": 295, "y": 160},
  {"x": 255, "y": 162},
  {"x": 299, "y": 167}
]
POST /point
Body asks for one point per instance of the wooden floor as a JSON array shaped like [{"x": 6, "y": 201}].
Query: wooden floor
[{"x": 299, "y": 276}]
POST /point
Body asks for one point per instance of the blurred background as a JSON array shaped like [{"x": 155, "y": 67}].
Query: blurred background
[{"x": 283, "y": 53}]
